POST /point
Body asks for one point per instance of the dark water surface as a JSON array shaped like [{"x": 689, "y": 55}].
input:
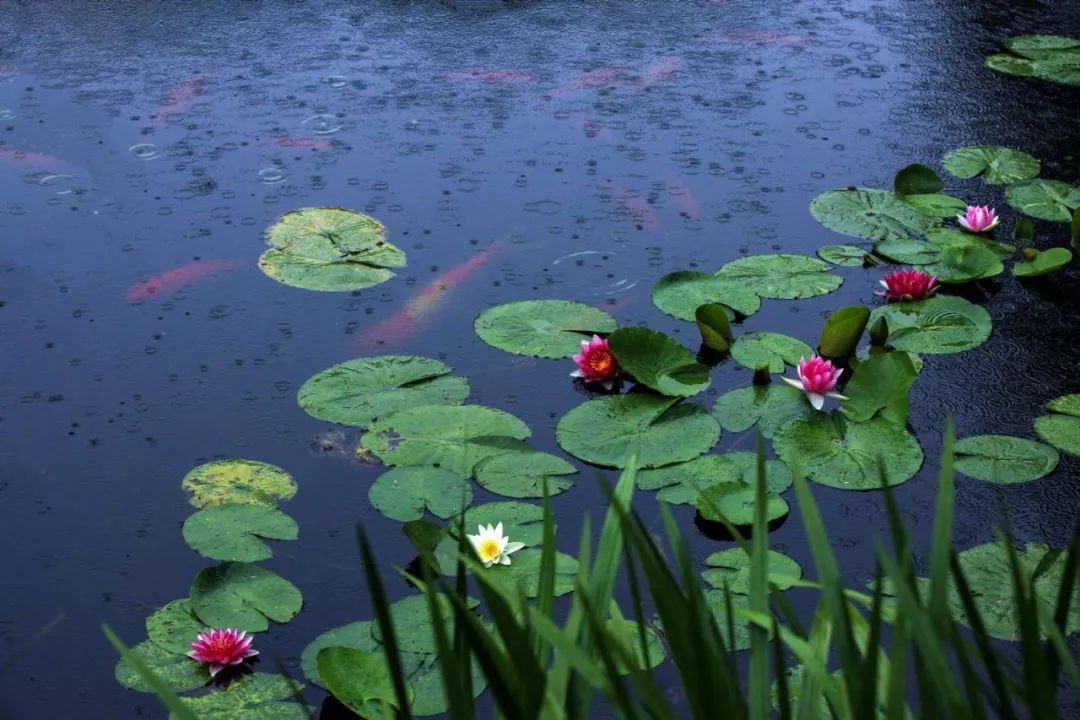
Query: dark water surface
[{"x": 153, "y": 134}]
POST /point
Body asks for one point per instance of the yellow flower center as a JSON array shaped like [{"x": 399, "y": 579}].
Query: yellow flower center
[{"x": 488, "y": 550}]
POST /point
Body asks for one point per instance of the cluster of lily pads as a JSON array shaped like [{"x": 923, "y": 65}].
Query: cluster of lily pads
[{"x": 1048, "y": 57}]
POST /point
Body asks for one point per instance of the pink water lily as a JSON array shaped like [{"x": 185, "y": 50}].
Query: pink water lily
[
  {"x": 817, "y": 378},
  {"x": 596, "y": 363},
  {"x": 222, "y": 647},
  {"x": 978, "y": 218},
  {"x": 907, "y": 285}
]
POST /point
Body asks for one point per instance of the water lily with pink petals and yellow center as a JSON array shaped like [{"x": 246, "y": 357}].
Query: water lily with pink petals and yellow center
[
  {"x": 817, "y": 378},
  {"x": 596, "y": 363},
  {"x": 907, "y": 285},
  {"x": 222, "y": 647},
  {"x": 978, "y": 218}
]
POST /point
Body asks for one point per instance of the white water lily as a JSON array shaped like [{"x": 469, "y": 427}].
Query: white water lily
[{"x": 492, "y": 546}]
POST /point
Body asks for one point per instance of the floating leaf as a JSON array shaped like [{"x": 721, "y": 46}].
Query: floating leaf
[
  {"x": 719, "y": 602},
  {"x": 907, "y": 251},
  {"x": 1062, "y": 428},
  {"x": 355, "y": 635},
  {"x": 406, "y": 493},
  {"x": 174, "y": 627},
  {"x": 769, "y": 405},
  {"x": 329, "y": 249},
  {"x": 429, "y": 695},
  {"x": 452, "y": 437},
  {"x": 784, "y": 277},
  {"x": 680, "y": 484},
  {"x": 847, "y": 455},
  {"x": 941, "y": 324},
  {"x": 868, "y": 213},
  {"x": 657, "y": 361},
  {"x": 681, "y": 293},
  {"x": 712, "y": 322},
  {"x": 233, "y": 532},
  {"x": 731, "y": 567},
  {"x": 880, "y": 387},
  {"x": 412, "y": 623},
  {"x": 917, "y": 179},
  {"x": 997, "y": 165},
  {"x": 608, "y": 430},
  {"x": 1074, "y": 235},
  {"x": 842, "y": 332},
  {"x": 360, "y": 391},
  {"x": 964, "y": 263},
  {"x": 944, "y": 238},
  {"x": 261, "y": 696},
  {"x": 179, "y": 672},
  {"x": 522, "y": 522},
  {"x": 1004, "y": 459},
  {"x": 1036, "y": 46},
  {"x": 1043, "y": 262},
  {"x": 359, "y": 680},
  {"x": 524, "y": 572},
  {"x": 757, "y": 349},
  {"x": 238, "y": 481},
  {"x": 936, "y": 205},
  {"x": 843, "y": 255},
  {"x": 1024, "y": 231},
  {"x": 524, "y": 474},
  {"x": 735, "y": 503},
  {"x": 1049, "y": 57},
  {"x": 243, "y": 596},
  {"x": 1044, "y": 199},
  {"x": 628, "y": 634},
  {"x": 542, "y": 328},
  {"x": 1010, "y": 64}
]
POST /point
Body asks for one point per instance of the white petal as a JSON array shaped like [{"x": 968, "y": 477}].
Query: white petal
[
  {"x": 498, "y": 531},
  {"x": 513, "y": 547},
  {"x": 816, "y": 399},
  {"x": 793, "y": 383},
  {"x": 836, "y": 396},
  {"x": 505, "y": 560},
  {"x": 576, "y": 373}
]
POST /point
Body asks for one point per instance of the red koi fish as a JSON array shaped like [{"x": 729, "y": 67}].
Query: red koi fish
[
  {"x": 177, "y": 278},
  {"x": 28, "y": 158},
  {"x": 762, "y": 37},
  {"x": 684, "y": 198},
  {"x": 418, "y": 310},
  {"x": 303, "y": 143},
  {"x": 180, "y": 99},
  {"x": 662, "y": 69},
  {"x": 639, "y": 209},
  {"x": 477, "y": 75},
  {"x": 592, "y": 78}
]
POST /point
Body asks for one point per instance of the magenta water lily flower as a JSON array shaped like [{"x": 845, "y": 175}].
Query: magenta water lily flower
[
  {"x": 978, "y": 218},
  {"x": 596, "y": 363},
  {"x": 907, "y": 285},
  {"x": 817, "y": 378},
  {"x": 221, "y": 648}
]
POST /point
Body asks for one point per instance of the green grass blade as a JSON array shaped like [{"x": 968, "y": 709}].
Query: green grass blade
[
  {"x": 161, "y": 689},
  {"x": 759, "y": 578}
]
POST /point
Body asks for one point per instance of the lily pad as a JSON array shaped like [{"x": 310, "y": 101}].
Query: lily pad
[
  {"x": 1043, "y": 262},
  {"x": 965, "y": 263},
  {"x": 784, "y": 277},
  {"x": 843, "y": 255},
  {"x": 452, "y": 437},
  {"x": 1062, "y": 427},
  {"x": 867, "y": 213},
  {"x": 329, "y": 249},
  {"x": 722, "y": 604},
  {"x": 657, "y": 361},
  {"x": 945, "y": 238},
  {"x": 735, "y": 502},
  {"x": 243, "y": 596},
  {"x": 757, "y": 349},
  {"x": 907, "y": 251},
  {"x": 880, "y": 387},
  {"x": 360, "y": 391},
  {"x": 769, "y": 406},
  {"x": 917, "y": 179},
  {"x": 411, "y": 617},
  {"x": 1036, "y": 46},
  {"x": 179, "y": 672},
  {"x": 941, "y": 324},
  {"x": 1050, "y": 57},
  {"x": 262, "y": 696},
  {"x": 522, "y": 522},
  {"x": 936, "y": 205},
  {"x": 731, "y": 567},
  {"x": 846, "y": 455},
  {"x": 429, "y": 695},
  {"x": 1003, "y": 459},
  {"x": 233, "y": 531},
  {"x": 997, "y": 165},
  {"x": 355, "y": 635},
  {"x": 359, "y": 680},
  {"x": 680, "y": 484},
  {"x": 681, "y": 293},
  {"x": 608, "y": 430},
  {"x": 542, "y": 328},
  {"x": 523, "y": 474},
  {"x": 1044, "y": 199},
  {"x": 524, "y": 572},
  {"x": 628, "y": 634},
  {"x": 406, "y": 493},
  {"x": 238, "y": 481},
  {"x": 174, "y": 627}
]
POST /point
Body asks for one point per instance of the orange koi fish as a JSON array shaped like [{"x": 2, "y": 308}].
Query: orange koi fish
[
  {"x": 28, "y": 158},
  {"x": 180, "y": 99},
  {"x": 476, "y": 74},
  {"x": 418, "y": 310},
  {"x": 762, "y": 37},
  {"x": 684, "y": 198},
  {"x": 639, "y": 209},
  {"x": 303, "y": 143},
  {"x": 662, "y": 69},
  {"x": 180, "y": 277},
  {"x": 592, "y": 78}
]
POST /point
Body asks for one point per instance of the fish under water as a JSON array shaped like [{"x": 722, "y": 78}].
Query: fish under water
[
  {"x": 590, "y": 79},
  {"x": 303, "y": 143},
  {"x": 761, "y": 37},
  {"x": 662, "y": 69},
  {"x": 639, "y": 208},
  {"x": 478, "y": 75},
  {"x": 28, "y": 158},
  {"x": 180, "y": 99},
  {"x": 412, "y": 317},
  {"x": 681, "y": 194},
  {"x": 177, "y": 278}
]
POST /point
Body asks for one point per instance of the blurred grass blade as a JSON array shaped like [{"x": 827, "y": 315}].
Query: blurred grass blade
[{"x": 161, "y": 688}]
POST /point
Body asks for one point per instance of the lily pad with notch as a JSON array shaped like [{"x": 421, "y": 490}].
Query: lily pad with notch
[
  {"x": 542, "y": 328},
  {"x": 681, "y": 293},
  {"x": 758, "y": 349},
  {"x": 179, "y": 672},
  {"x": 783, "y": 277},
  {"x": 768, "y": 406},
  {"x": 524, "y": 474},
  {"x": 174, "y": 627},
  {"x": 1061, "y": 428},
  {"x": 261, "y": 696},
  {"x": 941, "y": 324},
  {"x": 243, "y": 596},
  {"x": 842, "y": 255},
  {"x": 731, "y": 568},
  {"x": 1042, "y": 262},
  {"x": 1052, "y": 200},
  {"x": 408, "y": 492},
  {"x": 997, "y": 165},
  {"x": 680, "y": 484},
  {"x": 1003, "y": 459},
  {"x": 869, "y": 213},
  {"x": 236, "y": 531}
]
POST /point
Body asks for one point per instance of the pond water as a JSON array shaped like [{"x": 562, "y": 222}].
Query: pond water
[{"x": 597, "y": 147}]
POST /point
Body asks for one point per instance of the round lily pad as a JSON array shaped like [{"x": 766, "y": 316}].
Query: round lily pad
[
  {"x": 907, "y": 251},
  {"x": 944, "y": 238},
  {"x": 429, "y": 695},
  {"x": 1003, "y": 459},
  {"x": 452, "y": 437},
  {"x": 848, "y": 455},
  {"x": 354, "y": 635},
  {"x": 233, "y": 531},
  {"x": 731, "y": 567},
  {"x": 329, "y": 249},
  {"x": 411, "y": 617},
  {"x": 1043, "y": 262},
  {"x": 871, "y": 214},
  {"x": 1010, "y": 64},
  {"x": 936, "y": 205},
  {"x": 757, "y": 349},
  {"x": 964, "y": 263},
  {"x": 260, "y": 696},
  {"x": 784, "y": 277},
  {"x": 522, "y": 522},
  {"x": 360, "y": 391},
  {"x": 609, "y": 430},
  {"x": 1062, "y": 428},
  {"x": 524, "y": 572},
  {"x": 724, "y": 604},
  {"x": 681, "y": 293},
  {"x": 359, "y": 680},
  {"x": 628, "y": 634},
  {"x": 769, "y": 406},
  {"x": 542, "y": 328},
  {"x": 843, "y": 255},
  {"x": 174, "y": 627},
  {"x": 179, "y": 672},
  {"x": 735, "y": 503},
  {"x": 941, "y": 324},
  {"x": 680, "y": 484},
  {"x": 997, "y": 165},
  {"x": 238, "y": 481},
  {"x": 1044, "y": 199},
  {"x": 657, "y": 361},
  {"x": 243, "y": 596},
  {"x": 1036, "y": 46},
  {"x": 405, "y": 493},
  {"x": 523, "y": 474}
]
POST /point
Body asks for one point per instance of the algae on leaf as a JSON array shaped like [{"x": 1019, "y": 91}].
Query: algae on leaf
[{"x": 238, "y": 481}]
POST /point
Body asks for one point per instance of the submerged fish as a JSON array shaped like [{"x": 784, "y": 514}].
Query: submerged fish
[
  {"x": 181, "y": 98},
  {"x": 662, "y": 69},
  {"x": 177, "y": 278},
  {"x": 592, "y": 78},
  {"x": 28, "y": 158},
  {"x": 476, "y": 74},
  {"x": 418, "y": 310},
  {"x": 640, "y": 209},
  {"x": 684, "y": 198},
  {"x": 763, "y": 37},
  {"x": 305, "y": 143}
]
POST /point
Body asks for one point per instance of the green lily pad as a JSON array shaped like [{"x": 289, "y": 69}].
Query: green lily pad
[
  {"x": 243, "y": 596},
  {"x": 936, "y": 205},
  {"x": 174, "y": 627},
  {"x": 238, "y": 481},
  {"x": 233, "y": 531},
  {"x": 355, "y": 635},
  {"x": 917, "y": 179},
  {"x": 867, "y": 213},
  {"x": 681, "y": 293},
  {"x": 1003, "y": 459},
  {"x": 179, "y": 672},
  {"x": 1062, "y": 427},
  {"x": 1036, "y": 46},
  {"x": 735, "y": 502},
  {"x": 843, "y": 255},
  {"x": 907, "y": 251},
  {"x": 731, "y": 567},
  {"x": 1010, "y": 64},
  {"x": 757, "y": 349},
  {"x": 412, "y": 623},
  {"x": 452, "y": 437},
  {"x": 945, "y": 238},
  {"x": 262, "y": 696},
  {"x": 941, "y": 324},
  {"x": 657, "y": 361},
  {"x": 329, "y": 249},
  {"x": 359, "y": 680},
  {"x": 846, "y": 455},
  {"x": 523, "y": 474},
  {"x": 628, "y": 634},
  {"x": 542, "y": 328},
  {"x": 680, "y": 484},
  {"x": 784, "y": 277},
  {"x": 997, "y": 165},
  {"x": 522, "y": 522},
  {"x": 1044, "y": 199},
  {"x": 608, "y": 430},
  {"x": 769, "y": 406},
  {"x": 722, "y": 604},
  {"x": 964, "y": 263},
  {"x": 406, "y": 493},
  {"x": 429, "y": 696},
  {"x": 1043, "y": 262},
  {"x": 360, "y": 391},
  {"x": 880, "y": 387},
  {"x": 524, "y": 572},
  {"x": 1049, "y": 57}
]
